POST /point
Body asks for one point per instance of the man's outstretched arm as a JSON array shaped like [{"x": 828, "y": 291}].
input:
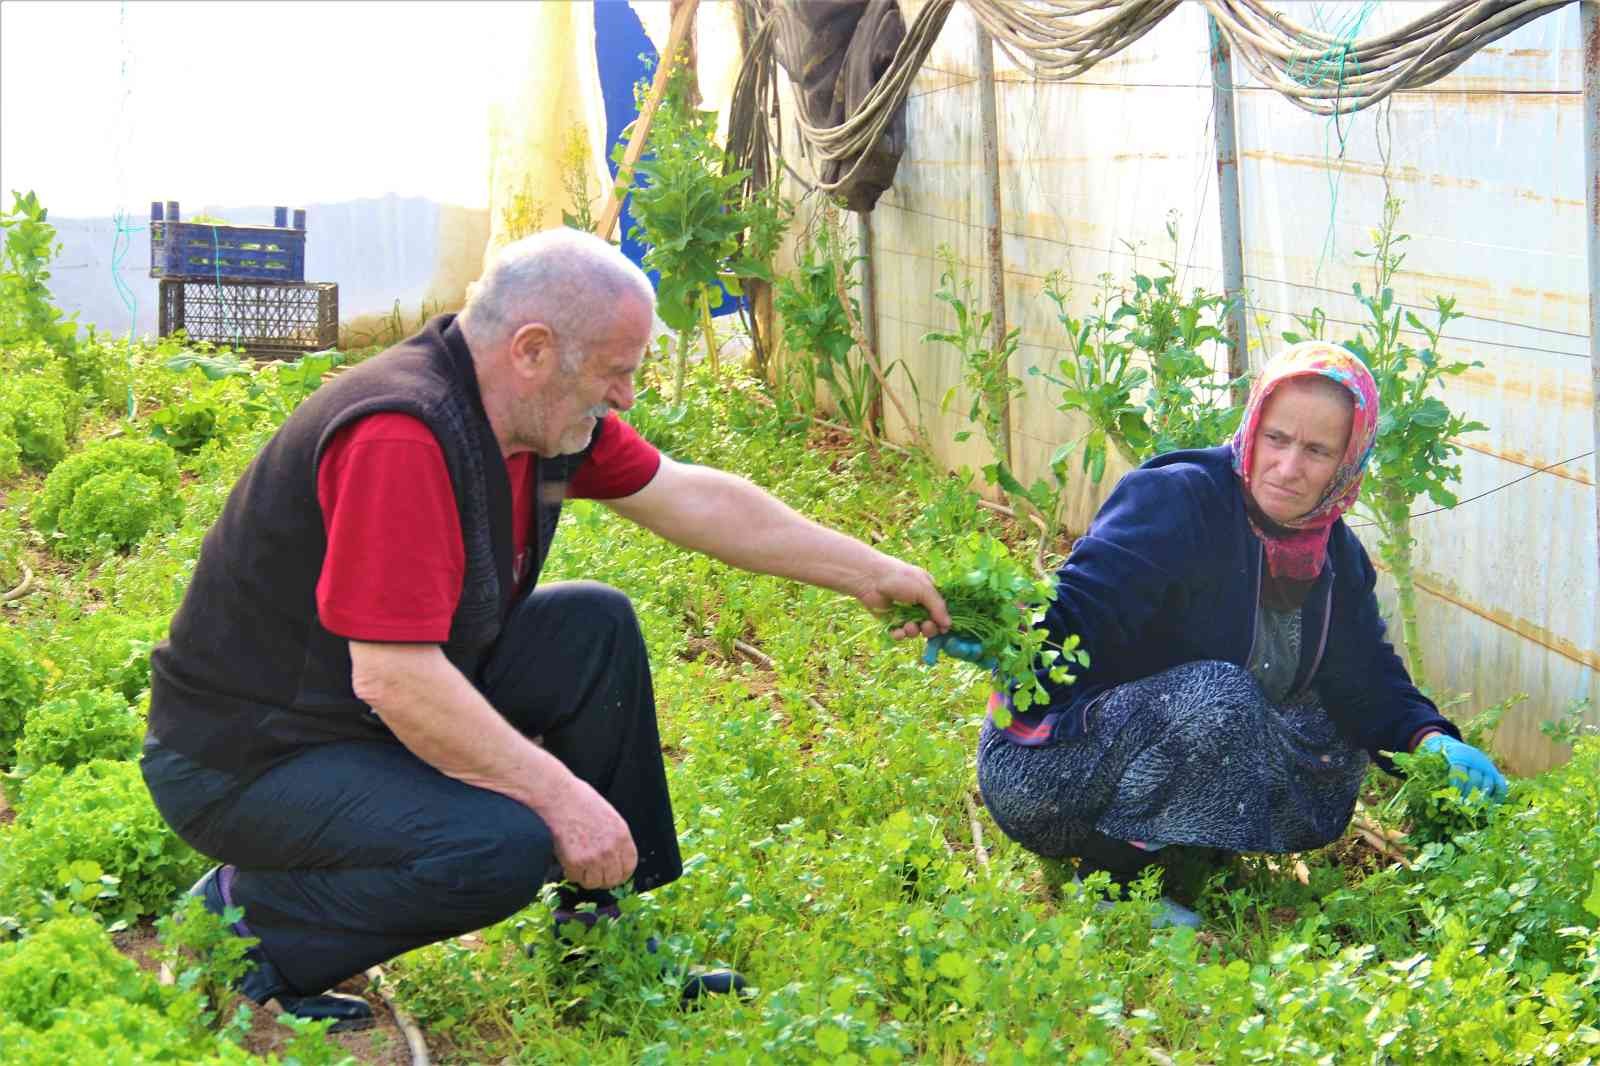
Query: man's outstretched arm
[
  {"x": 444, "y": 721},
  {"x": 728, "y": 518}
]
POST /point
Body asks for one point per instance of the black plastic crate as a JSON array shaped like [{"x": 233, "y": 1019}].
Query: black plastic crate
[
  {"x": 265, "y": 318},
  {"x": 227, "y": 253}
]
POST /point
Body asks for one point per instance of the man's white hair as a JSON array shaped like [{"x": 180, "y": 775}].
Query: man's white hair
[{"x": 569, "y": 280}]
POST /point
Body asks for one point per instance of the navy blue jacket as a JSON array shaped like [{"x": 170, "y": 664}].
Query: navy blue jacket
[{"x": 1170, "y": 572}]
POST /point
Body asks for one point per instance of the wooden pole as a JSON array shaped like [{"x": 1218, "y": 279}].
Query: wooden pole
[
  {"x": 1228, "y": 208},
  {"x": 641, "y": 125},
  {"x": 993, "y": 218},
  {"x": 869, "y": 306}
]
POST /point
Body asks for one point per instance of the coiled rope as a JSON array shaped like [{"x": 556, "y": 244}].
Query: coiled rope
[{"x": 1054, "y": 40}]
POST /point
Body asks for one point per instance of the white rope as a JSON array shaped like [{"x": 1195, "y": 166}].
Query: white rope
[
  {"x": 1352, "y": 75},
  {"x": 1055, "y": 40}
]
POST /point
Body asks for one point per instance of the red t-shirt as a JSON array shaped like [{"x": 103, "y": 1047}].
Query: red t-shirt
[{"x": 395, "y": 562}]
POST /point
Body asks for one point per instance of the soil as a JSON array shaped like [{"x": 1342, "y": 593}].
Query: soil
[{"x": 382, "y": 1045}]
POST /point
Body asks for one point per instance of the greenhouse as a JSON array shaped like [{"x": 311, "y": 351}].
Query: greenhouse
[{"x": 773, "y": 531}]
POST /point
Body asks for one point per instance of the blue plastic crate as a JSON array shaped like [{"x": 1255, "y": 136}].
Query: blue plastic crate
[{"x": 181, "y": 249}]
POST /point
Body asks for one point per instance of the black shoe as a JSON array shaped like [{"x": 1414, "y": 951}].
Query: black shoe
[
  {"x": 263, "y": 982},
  {"x": 350, "y": 1014},
  {"x": 698, "y": 981}
]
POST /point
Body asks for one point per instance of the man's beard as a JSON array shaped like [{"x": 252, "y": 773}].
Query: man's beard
[{"x": 578, "y": 438}]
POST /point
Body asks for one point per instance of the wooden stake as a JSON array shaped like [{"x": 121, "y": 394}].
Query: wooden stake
[{"x": 641, "y": 125}]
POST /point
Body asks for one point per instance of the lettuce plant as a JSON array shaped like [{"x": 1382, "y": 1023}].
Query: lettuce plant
[
  {"x": 97, "y": 815},
  {"x": 77, "y": 729},
  {"x": 148, "y": 458},
  {"x": 69, "y": 962},
  {"x": 111, "y": 511},
  {"x": 39, "y": 415},
  {"x": 108, "y": 496},
  {"x": 21, "y": 683},
  {"x": 108, "y": 649},
  {"x": 10, "y": 457}
]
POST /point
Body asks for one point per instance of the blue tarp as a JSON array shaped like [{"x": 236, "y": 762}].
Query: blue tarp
[{"x": 624, "y": 54}]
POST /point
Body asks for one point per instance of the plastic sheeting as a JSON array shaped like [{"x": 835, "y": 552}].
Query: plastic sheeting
[
  {"x": 373, "y": 118},
  {"x": 556, "y": 115},
  {"x": 1489, "y": 163},
  {"x": 406, "y": 131}
]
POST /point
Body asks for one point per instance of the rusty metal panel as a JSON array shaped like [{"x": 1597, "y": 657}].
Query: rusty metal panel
[{"x": 1489, "y": 163}]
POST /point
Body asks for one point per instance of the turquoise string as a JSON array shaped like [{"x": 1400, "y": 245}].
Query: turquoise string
[{"x": 1332, "y": 65}]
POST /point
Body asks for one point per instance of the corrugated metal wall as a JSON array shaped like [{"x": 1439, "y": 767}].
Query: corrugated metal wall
[{"x": 1489, "y": 163}]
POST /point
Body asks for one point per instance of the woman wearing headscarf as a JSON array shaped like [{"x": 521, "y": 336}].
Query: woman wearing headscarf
[{"x": 1239, "y": 678}]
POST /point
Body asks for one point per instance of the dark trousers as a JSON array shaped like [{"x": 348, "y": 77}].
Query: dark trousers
[{"x": 349, "y": 854}]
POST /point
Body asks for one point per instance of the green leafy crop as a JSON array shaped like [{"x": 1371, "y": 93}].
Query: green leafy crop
[
  {"x": 109, "y": 495},
  {"x": 998, "y": 602},
  {"x": 203, "y": 950},
  {"x": 39, "y": 415},
  {"x": 98, "y": 815},
  {"x": 1432, "y": 803},
  {"x": 10, "y": 457},
  {"x": 68, "y": 995},
  {"x": 111, "y": 511},
  {"x": 77, "y": 729},
  {"x": 68, "y": 962},
  {"x": 106, "y": 650},
  {"x": 816, "y": 328},
  {"x": 26, "y": 310},
  {"x": 21, "y": 683}
]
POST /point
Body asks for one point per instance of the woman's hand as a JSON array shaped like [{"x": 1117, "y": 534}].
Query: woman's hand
[
  {"x": 1469, "y": 768},
  {"x": 956, "y": 646}
]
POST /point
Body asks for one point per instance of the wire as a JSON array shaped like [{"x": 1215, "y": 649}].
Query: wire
[
  {"x": 1465, "y": 340},
  {"x": 940, "y": 89},
  {"x": 1487, "y": 492},
  {"x": 886, "y": 202}
]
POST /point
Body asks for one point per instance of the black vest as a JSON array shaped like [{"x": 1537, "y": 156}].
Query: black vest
[{"x": 248, "y": 674}]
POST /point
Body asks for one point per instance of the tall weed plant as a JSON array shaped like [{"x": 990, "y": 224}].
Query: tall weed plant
[
  {"x": 818, "y": 339},
  {"x": 703, "y": 237},
  {"x": 990, "y": 387},
  {"x": 1139, "y": 366},
  {"x": 1418, "y": 434}
]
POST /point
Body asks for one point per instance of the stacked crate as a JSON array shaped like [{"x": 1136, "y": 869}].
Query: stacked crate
[{"x": 241, "y": 285}]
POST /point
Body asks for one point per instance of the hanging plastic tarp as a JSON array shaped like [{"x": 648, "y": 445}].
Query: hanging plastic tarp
[
  {"x": 547, "y": 138},
  {"x": 834, "y": 52}
]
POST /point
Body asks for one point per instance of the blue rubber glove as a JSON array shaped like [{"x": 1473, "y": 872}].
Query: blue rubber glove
[
  {"x": 1469, "y": 768},
  {"x": 956, "y": 646}
]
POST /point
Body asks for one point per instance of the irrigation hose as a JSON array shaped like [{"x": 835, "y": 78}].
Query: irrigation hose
[
  {"x": 414, "y": 1041},
  {"x": 24, "y": 587}
]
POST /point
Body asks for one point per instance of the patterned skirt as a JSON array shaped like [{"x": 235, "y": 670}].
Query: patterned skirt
[{"x": 1194, "y": 755}]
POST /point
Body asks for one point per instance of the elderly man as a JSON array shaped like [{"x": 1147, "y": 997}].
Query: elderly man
[{"x": 368, "y": 709}]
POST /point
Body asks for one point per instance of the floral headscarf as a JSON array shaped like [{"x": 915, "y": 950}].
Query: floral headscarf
[{"x": 1296, "y": 549}]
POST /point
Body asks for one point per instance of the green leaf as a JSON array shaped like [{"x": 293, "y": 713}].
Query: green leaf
[
  {"x": 831, "y": 1040},
  {"x": 1431, "y": 413}
]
